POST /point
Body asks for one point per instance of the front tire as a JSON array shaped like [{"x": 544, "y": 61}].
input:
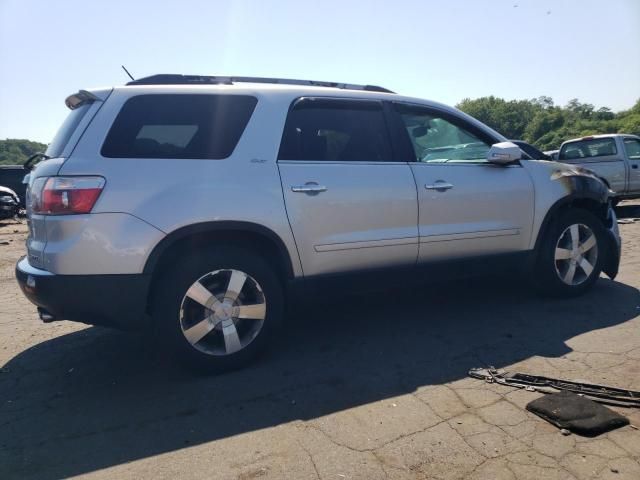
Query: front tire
[
  {"x": 569, "y": 258},
  {"x": 218, "y": 308}
]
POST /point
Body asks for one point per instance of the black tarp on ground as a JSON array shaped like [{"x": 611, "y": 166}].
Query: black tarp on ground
[{"x": 577, "y": 414}]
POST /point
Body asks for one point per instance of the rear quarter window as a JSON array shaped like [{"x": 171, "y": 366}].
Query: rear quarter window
[
  {"x": 59, "y": 142},
  {"x": 188, "y": 126},
  {"x": 596, "y": 147}
]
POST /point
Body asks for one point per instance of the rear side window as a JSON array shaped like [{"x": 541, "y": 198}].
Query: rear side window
[
  {"x": 595, "y": 147},
  {"x": 336, "y": 130},
  {"x": 632, "y": 146},
  {"x": 179, "y": 126},
  {"x": 59, "y": 142}
]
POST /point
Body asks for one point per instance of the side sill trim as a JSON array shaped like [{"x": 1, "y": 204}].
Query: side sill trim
[
  {"x": 469, "y": 235},
  {"x": 332, "y": 247}
]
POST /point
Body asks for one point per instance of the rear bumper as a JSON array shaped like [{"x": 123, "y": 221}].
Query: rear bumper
[{"x": 111, "y": 300}]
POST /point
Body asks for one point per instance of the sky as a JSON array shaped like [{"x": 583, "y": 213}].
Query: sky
[{"x": 443, "y": 50}]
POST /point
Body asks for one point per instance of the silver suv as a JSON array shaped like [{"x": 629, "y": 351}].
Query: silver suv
[{"x": 196, "y": 206}]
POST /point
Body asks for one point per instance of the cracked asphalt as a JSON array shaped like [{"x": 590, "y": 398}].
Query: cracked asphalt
[{"x": 361, "y": 387}]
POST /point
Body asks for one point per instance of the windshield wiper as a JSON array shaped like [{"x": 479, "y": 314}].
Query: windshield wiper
[{"x": 28, "y": 165}]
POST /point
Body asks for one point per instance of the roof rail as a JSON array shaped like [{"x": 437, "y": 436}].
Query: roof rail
[{"x": 177, "y": 79}]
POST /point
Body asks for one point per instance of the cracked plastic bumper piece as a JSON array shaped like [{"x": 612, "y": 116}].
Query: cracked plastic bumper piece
[{"x": 534, "y": 383}]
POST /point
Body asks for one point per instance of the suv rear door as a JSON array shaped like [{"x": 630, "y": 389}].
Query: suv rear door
[
  {"x": 350, "y": 204},
  {"x": 468, "y": 207}
]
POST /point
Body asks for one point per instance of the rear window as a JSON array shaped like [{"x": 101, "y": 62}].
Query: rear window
[
  {"x": 595, "y": 147},
  {"x": 336, "y": 130},
  {"x": 179, "y": 126},
  {"x": 59, "y": 142}
]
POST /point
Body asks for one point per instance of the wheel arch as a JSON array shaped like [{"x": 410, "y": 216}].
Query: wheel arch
[
  {"x": 600, "y": 209},
  {"x": 251, "y": 235},
  {"x": 605, "y": 181},
  {"x": 584, "y": 201},
  {"x": 218, "y": 231}
]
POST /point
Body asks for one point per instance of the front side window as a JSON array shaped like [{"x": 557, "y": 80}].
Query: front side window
[
  {"x": 438, "y": 138},
  {"x": 179, "y": 126},
  {"x": 594, "y": 147},
  {"x": 335, "y": 130},
  {"x": 632, "y": 146}
]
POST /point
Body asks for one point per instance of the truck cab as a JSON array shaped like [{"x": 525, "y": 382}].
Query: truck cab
[{"x": 615, "y": 158}]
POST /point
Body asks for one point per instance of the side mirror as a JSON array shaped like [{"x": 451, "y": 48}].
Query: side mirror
[{"x": 503, "y": 153}]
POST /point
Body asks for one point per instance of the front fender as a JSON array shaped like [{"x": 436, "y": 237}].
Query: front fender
[{"x": 560, "y": 186}]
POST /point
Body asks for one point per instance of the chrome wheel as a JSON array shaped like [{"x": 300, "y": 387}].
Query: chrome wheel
[
  {"x": 576, "y": 254},
  {"x": 222, "y": 312}
]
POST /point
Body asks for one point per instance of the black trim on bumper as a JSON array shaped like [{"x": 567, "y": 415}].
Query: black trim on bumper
[
  {"x": 612, "y": 257},
  {"x": 111, "y": 300}
]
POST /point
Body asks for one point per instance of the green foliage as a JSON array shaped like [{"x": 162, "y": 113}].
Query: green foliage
[
  {"x": 508, "y": 117},
  {"x": 16, "y": 151},
  {"x": 541, "y": 123}
]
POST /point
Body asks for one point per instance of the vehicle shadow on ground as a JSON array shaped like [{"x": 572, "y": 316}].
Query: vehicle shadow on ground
[{"x": 97, "y": 398}]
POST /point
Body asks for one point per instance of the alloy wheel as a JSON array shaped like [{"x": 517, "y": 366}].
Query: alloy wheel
[
  {"x": 576, "y": 254},
  {"x": 222, "y": 312}
]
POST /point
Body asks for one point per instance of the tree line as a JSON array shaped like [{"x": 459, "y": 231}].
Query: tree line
[
  {"x": 15, "y": 151},
  {"x": 543, "y": 124},
  {"x": 538, "y": 121}
]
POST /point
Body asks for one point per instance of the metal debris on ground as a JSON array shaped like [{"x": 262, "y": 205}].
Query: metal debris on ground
[{"x": 599, "y": 393}]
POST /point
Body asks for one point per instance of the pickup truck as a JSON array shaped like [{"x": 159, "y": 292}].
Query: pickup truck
[{"x": 615, "y": 158}]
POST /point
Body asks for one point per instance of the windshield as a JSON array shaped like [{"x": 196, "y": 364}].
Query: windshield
[{"x": 59, "y": 142}]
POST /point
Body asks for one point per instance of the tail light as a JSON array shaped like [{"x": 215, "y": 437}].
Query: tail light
[{"x": 65, "y": 195}]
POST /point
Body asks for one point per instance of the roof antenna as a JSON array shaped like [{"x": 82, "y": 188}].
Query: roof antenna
[{"x": 127, "y": 72}]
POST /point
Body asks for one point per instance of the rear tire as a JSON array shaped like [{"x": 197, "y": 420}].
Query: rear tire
[
  {"x": 217, "y": 308},
  {"x": 569, "y": 258}
]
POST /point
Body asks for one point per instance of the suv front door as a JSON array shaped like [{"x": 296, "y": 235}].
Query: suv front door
[
  {"x": 467, "y": 206},
  {"x": 350, "y": 205}
]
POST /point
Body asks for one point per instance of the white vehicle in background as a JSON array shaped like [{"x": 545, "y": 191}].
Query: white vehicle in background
[{"x": 615, "y": 158}]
